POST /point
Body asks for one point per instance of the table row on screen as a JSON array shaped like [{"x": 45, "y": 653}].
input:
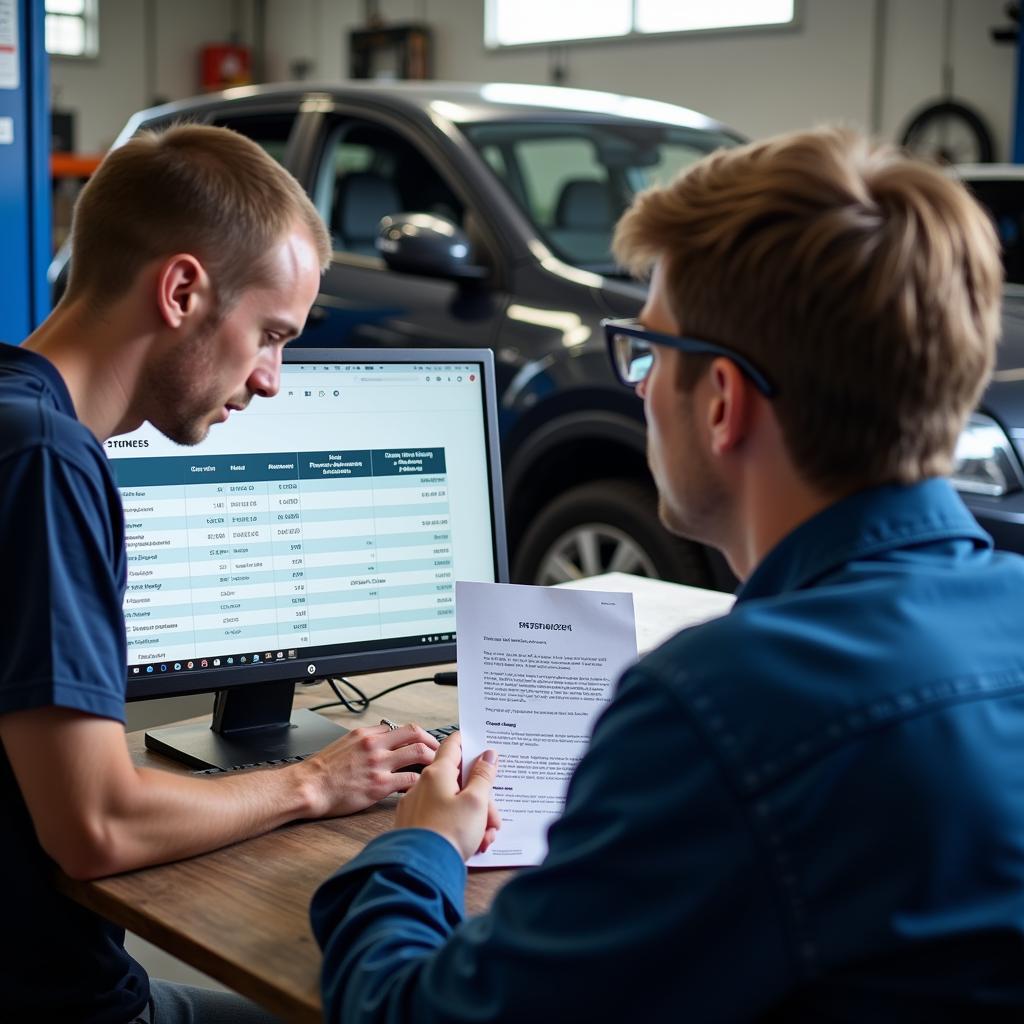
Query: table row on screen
[{"x": 228, "y": 564}]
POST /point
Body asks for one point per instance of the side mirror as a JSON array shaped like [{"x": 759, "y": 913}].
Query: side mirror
[{"x": 427, "y": 244}]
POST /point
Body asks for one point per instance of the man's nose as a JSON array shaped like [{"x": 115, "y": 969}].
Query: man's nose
[{"x": 265, "y": 379}]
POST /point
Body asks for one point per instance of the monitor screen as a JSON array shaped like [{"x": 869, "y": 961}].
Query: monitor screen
[{"x": 316, "y": 533}]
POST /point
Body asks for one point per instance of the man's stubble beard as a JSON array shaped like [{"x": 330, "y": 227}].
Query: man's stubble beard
[
  {"x": 692, "y": 500},
  {"x": 177, "y": 391},
  {"x": 696, "y": 516}
]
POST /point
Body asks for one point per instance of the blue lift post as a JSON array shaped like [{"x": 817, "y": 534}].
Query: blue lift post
[{"x": 25, "y": 232}]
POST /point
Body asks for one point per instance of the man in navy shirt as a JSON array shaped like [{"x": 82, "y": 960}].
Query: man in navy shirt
[
  {"x": 812, "y": 808},
  {"x": 195, "y": 259}
]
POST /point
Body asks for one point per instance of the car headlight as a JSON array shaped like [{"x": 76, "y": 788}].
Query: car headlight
[{"x": 984, "y": 462}]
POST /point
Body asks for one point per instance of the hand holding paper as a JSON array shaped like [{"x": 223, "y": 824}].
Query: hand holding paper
[
  {"x": 536, "y": 666},
  {"x": 467, "y": 817}
]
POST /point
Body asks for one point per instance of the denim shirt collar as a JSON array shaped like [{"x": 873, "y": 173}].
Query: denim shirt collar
[{"x": 866, "y": 523}]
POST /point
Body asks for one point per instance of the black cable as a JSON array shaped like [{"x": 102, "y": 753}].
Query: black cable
[
  {"x": 355, "y": 707},
  {"x": 362, "y": 701}
]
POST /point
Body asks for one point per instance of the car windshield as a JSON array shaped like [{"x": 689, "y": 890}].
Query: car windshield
[{"x": 574, "y": 180}]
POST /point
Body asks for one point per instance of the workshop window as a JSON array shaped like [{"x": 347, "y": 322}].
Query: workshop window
[
  {"x": 72, "y": 28},
  {"x": 521, "y": 22}
]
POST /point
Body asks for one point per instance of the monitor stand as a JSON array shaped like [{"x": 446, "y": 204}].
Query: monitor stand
[{"x": 252, "y": 725}]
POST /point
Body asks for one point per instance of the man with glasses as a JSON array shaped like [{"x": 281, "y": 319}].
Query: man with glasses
[{"x": 813, "y": 807}]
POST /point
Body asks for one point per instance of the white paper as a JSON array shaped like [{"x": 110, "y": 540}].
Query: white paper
[
  {"x": 662, "y": 608},
  {"x": 536, "y": 666}
]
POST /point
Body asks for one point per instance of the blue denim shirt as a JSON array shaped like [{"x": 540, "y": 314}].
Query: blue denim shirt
[{"x": 810, "y": 809}]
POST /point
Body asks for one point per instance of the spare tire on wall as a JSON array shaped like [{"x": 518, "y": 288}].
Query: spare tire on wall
[{"x": 950, "y": 133}]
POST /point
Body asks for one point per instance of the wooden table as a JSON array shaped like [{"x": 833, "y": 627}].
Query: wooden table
[{"x": 240, "y": 914}]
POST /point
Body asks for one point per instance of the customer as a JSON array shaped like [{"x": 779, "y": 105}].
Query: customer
[
  {"x": 812, "y": 808},
  {"x": 195, "y": 258}
]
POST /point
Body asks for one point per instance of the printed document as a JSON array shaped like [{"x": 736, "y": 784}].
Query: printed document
[{"x": 536, "y": 667}]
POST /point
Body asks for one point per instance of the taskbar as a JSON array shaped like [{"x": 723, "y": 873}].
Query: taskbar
[{"x": 283, "y": 654}]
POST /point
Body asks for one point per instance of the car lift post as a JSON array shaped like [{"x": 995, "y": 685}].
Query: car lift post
[{"x": 25, "y": 233}]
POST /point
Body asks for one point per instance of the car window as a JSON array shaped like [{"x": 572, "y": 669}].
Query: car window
[
  {"x": 548, "y": 165},
  {"x": 370, "y": 172},
  {"x": 672, "y": 157},
  {"x": 269, "y": 131},
  {"x": 574, "y": 180},
  {"x": 495, "y": 158}
]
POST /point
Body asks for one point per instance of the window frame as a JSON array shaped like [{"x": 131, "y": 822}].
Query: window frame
[
  {"x": 90, "y": 18},
  {"x": 795, "y": 24}
]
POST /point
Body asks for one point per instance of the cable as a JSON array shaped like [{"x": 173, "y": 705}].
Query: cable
[
  {"x": 355, "y": 707},
  {"x": 361, "y": 701}
]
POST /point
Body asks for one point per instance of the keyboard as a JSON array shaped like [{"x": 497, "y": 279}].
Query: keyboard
[
  {"x": 439, "y": 734},
  {"x": 442, "y": 733}
]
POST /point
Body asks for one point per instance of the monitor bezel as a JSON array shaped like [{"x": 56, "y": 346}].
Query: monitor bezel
[{"x": 357, "y": 662}]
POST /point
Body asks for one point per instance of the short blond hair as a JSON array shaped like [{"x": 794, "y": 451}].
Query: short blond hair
[
  {"x": 864, "y": 283},
  {"x": 210, "y": 192}
]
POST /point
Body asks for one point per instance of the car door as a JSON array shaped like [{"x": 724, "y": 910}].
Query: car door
[{"x": 365, "y": 167}]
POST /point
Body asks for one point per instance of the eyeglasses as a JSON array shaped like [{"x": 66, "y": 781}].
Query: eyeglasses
[{"x": 629, "y": 346}]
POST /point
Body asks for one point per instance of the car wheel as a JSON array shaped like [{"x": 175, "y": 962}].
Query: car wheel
[{"x": 605, "y": 526}]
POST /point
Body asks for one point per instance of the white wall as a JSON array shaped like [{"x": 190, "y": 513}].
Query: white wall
[
  {"x": 103, "y": 92},
  {"x": 759, "y": 82}
]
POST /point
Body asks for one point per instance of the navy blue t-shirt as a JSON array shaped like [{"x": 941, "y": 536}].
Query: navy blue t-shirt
[{"x": 62, "y": 552}]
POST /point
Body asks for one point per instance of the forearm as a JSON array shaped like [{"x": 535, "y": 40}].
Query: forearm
[
  {"x": 95, "y": 813},
  {"x": 160, "y": 817}
]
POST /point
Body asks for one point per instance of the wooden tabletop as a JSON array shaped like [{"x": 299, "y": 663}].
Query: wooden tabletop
[{"x": 240, "y": 914}]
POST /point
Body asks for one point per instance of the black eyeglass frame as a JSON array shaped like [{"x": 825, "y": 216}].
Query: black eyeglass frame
[{"x": 696, "y": 346}]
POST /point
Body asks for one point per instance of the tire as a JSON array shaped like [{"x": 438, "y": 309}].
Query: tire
[
  {"x": 605, "y": 526},
  {"x": 915, "y": 135}
]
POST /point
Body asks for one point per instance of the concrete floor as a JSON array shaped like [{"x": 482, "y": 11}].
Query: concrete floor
[{"x": 159, "y": 964}]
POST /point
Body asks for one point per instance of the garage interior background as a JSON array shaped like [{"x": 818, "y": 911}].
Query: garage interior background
[{"x": 871, "y": 63}]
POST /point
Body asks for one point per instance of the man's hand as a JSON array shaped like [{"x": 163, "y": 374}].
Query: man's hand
[
  {"x": 466, "y": 817},
  {"x": 364, "y": 766}
]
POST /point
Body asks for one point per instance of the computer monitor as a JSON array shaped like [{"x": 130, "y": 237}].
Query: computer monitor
[{"x": 314, "y": 534}]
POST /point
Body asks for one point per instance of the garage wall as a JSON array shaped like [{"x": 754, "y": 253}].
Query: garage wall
[
  {"x": 103, "y": 92},
  {"x": 759, "y": 82}
]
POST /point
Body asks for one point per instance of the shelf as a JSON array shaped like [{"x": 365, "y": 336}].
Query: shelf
[{"x": 73, "y": 165}]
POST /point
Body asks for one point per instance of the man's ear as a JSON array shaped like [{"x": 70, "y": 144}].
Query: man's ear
[
  {"x": 184, "y": 293},
  {"x": 730, "y": 407}
]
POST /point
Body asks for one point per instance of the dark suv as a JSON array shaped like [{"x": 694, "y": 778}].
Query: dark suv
[{"x": 481, "y": 215}]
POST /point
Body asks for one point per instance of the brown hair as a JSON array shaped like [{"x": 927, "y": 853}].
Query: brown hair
[
  {"x": 865, "y": 284},
  {"x": 195, "y": 189}
]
